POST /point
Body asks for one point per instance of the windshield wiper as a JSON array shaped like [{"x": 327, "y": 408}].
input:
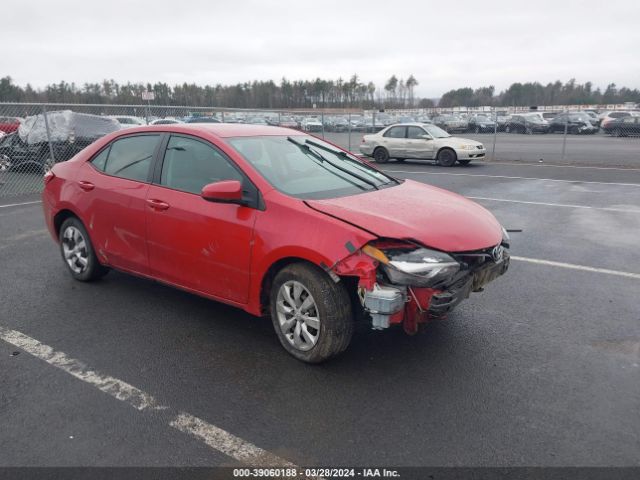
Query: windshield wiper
[
  {"x": 322, "y": 158},
  {"x": 348, "y": 157}
]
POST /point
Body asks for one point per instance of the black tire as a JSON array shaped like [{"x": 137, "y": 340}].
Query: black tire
[
  {"x": 464, "y": 163},
  {"x": 528, "y": 130},
  {"x": 333, "y": 309},
  {"x": 381, "y": 155},
  {"x": 447, "y": 157},
  {"x": 93, "y": 269},
  {"x": 616, "y": 132}
]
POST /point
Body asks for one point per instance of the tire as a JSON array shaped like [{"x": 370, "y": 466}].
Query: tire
[
  {"x": 78, "y": 253},
  {"x": 464, "y": 163},
  {"x": 616, "y": 132},
  {"x": 381, "y": 155},
  {"x": 331, "y": 306},
  {"x": 447, "y": 157},
  {"x": 528, "y": 130}
]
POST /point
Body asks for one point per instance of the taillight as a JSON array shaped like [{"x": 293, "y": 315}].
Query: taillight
[{"x": 49, "y": 176}]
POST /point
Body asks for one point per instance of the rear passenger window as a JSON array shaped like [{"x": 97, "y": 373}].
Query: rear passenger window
[
  {"x": 395, "y": 132},
  {"x": 131, "y": 157}
]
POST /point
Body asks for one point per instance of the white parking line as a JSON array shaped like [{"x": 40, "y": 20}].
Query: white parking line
[
  {"x": 215, "y": 437},
  {"x": 19, "y": 204},
  {"x": 543, "y": 165},
  {"x": 609, "y": 209},
  {"x": 512, "y": 177},
  {"x": 574, "y": 266}
]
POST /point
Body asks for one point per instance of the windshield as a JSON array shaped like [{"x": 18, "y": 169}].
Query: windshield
[
  {"x": 435, "y": 132},
  {"x": 305, "y": 167}
]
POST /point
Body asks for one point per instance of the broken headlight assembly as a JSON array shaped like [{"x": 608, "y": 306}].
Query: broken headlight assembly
[{"x": 414, "y": 266}]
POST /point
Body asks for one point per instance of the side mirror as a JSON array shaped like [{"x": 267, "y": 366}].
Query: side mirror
[
  {"x": 226, "y": 191},
  {"x": 426, "y": 137}
]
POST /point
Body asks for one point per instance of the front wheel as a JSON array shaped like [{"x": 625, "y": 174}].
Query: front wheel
[
  {"x": 446, "y": 157},
  {"x": 311, "y": 314},
  {"x": 77, "y": 252},
  {"x": 381, "y": 155}
]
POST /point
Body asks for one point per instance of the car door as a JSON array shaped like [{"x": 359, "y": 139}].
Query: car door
[
  {"x": 395, "y": 141},
  {"x": 113, "y": 188},
  {"x": 194, "y": 243},
  {"x": 417, "y": 145}
]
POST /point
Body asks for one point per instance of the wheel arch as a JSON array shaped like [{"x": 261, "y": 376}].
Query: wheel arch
[{"x": 61, "y": 216}]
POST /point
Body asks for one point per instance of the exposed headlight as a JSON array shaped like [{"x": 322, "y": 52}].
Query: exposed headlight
[
  {"x": 419, "y": 267},
  {"x": 506, "y": 240},
  {"x": 467, "y": 147}
]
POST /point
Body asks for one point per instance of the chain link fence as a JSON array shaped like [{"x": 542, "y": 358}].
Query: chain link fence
[{"x": 33, "y": 137}]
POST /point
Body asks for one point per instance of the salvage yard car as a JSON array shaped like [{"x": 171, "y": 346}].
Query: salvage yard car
[
  {"x": 28, "y": 148},
  {"x": 576, "y": 123},
  {"x": 276, "y": 222},
  {"x": 527, "y": 123},
  {"x": 420, "y": 141}
]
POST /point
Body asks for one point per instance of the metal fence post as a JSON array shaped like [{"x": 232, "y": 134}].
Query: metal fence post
[
  {"x": 46, "y": 127},
  {"x": 322, "y": 120},
  {"x": 564, "y": 138},
  {"x": 349, "y": 127},
  {"x": 495, "y": 133},
  {"x": 222, "y": 116}
]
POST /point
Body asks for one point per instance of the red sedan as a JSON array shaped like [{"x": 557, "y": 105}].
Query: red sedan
[
  {"x": 273, "y": 221},
  {"x": 9, "y": 124}
]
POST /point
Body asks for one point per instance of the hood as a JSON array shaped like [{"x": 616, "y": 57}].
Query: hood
[
  {"x": 457, "y": 141},
  {"x": 414, "y": 211}
]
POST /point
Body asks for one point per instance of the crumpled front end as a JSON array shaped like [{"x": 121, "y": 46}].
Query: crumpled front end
[{"x": 404, "y": 283}]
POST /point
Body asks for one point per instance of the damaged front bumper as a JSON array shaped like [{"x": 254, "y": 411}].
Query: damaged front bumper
[{"x": 390, "y": 304}]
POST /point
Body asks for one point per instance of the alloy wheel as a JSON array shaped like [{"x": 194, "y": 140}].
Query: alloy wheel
[
  {"x": 74, "y": 249},
  {"x": 298, "y": 315}
]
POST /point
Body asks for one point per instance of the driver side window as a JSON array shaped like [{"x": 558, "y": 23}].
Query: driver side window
[
  {"x": 415, "y": 133},
  {"x": 190, "y": 164}
]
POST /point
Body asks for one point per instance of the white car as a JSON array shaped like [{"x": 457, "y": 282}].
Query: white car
[
  {"x": 166, "y": 121},
  {"x": 311, "y": 125},
  {"x": 128, "y": 121},
  {"x": 421, "y": 141}
]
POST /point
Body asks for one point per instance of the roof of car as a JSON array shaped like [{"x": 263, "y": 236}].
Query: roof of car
[{"x": 223, "y": 130}]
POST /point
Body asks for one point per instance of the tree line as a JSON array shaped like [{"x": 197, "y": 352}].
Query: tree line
[{"x": 351, "y": 93}]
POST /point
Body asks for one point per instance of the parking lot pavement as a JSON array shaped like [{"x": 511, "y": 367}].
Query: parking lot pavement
[
  {"x": 543, "y": 368},
  {"x": 589, "y": 150}
]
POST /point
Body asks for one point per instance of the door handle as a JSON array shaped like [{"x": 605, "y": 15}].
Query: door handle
[
  {"x": 86, "y": 186},
  {"x": 157, "y": 204}
]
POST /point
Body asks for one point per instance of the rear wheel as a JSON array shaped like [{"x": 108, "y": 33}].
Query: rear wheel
[
  {"x": 381, "y": 155},
  {"x": 311, "y": 314},
  {"x": 446, "y": 157},
  {"x": 77, "y": 252}
]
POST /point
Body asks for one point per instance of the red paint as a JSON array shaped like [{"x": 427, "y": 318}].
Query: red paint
[
  {"x": 9, "y": 125},
  {"x": 414, "y": 211},
  {"x": 224, "y": 250}
]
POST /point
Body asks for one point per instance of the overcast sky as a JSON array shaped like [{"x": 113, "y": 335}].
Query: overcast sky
[{"x": 444, "y": 44}]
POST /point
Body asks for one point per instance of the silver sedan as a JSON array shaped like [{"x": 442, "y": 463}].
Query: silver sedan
[{"x": 420, "y": 141}]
